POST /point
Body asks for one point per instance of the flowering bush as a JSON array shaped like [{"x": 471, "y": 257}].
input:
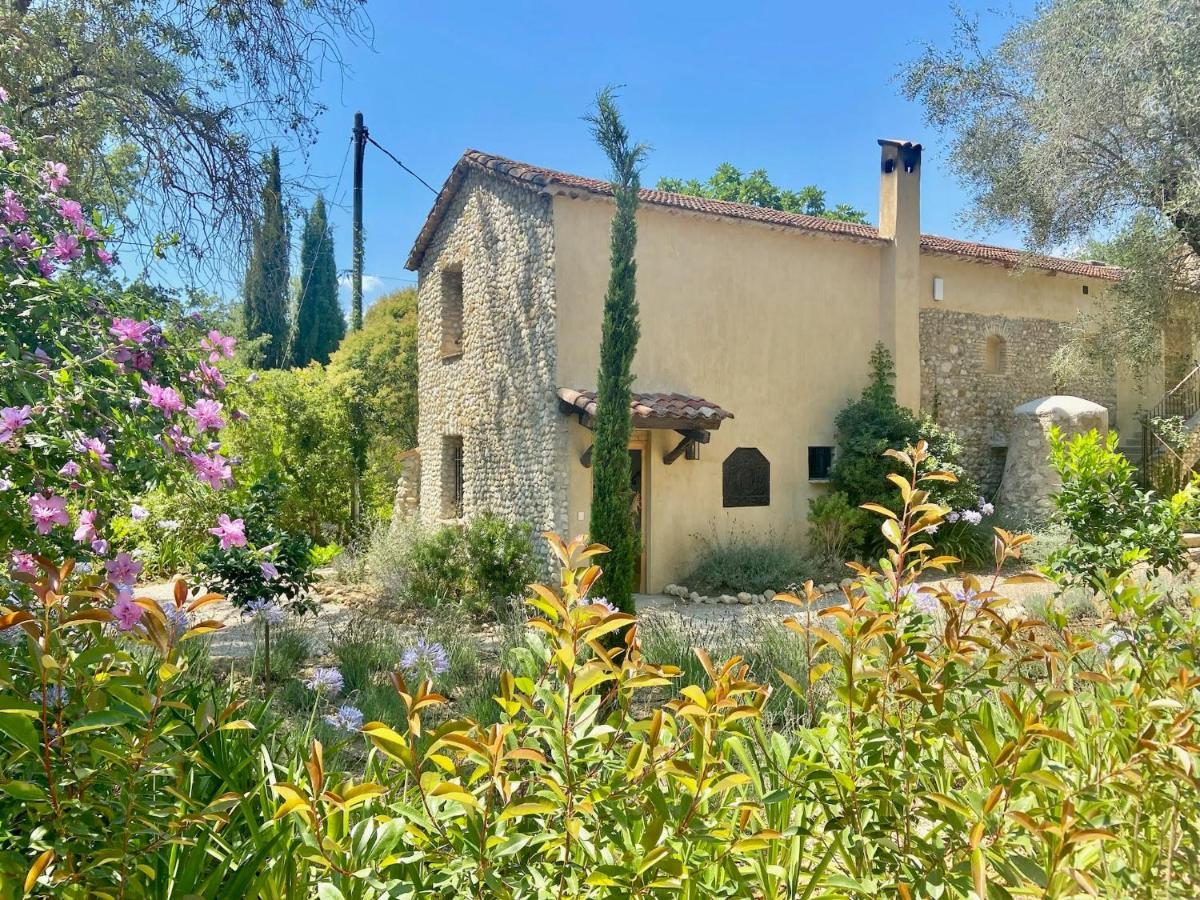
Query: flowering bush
[
  {"x": 104, "y": 392},
  {"x": 96, "y": 726},
  {"x": 253, "y": 562}
]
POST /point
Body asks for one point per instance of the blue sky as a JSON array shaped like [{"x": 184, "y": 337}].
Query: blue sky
[{"x": 800, "y": 89}]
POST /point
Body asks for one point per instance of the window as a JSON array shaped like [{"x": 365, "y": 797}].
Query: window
[
  {"x": 820, "y": 461},
  {"x": 995, "y": 355},
  {"x": 452, "y": 313},
  {"x": 452, "y": 476},
  {"x": 746, "y": 478}
]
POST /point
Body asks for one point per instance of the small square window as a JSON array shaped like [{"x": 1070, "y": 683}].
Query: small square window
[
  {"x": 452, "y": 476},
  {"x": 820, "y": 461},
  {"x": 452, "y": 313}
]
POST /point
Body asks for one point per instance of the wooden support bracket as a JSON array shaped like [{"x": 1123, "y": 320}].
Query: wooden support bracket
[{"x": 690, "y": 438}]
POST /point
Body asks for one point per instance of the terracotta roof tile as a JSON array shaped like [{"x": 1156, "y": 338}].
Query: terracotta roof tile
[
  {"x": 652, "y": 407},
  {"x": 551, "y": 182}
]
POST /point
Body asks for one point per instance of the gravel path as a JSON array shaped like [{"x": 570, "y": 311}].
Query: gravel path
[{"x": 237, "y": 639}]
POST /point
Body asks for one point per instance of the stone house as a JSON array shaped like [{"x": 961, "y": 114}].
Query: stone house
[{"x": 756, "y": 326}]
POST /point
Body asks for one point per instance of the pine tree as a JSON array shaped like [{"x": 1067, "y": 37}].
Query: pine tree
[
  {"x": 319, "y": 326},
  {"x": 265, "y": 298},
  {"x": 612, "y": 515}
]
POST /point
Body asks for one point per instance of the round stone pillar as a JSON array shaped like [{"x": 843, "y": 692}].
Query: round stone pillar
[{"x": 1030, "y": 482}]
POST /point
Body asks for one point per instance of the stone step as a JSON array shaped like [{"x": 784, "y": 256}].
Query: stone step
[{"x": 1191, "y": 540}]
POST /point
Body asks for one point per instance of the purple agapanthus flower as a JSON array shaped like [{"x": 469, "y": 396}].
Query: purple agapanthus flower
[
  {"x": 345, "y": 718},
  {"x": 425, "y": 659},
  {"x": 602, "y": 601},
  {"x": 325, "y": 681},
  {"x": 56, "y": 697},
  {"x": 968, "y": 596},
  {"x": 267, "y": 611}
]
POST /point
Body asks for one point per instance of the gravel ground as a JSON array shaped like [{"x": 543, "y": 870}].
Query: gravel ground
[{"x": 237, "y": 639}]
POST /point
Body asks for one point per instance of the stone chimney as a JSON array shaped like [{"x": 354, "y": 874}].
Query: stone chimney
[{"x": 899, "y": 278}]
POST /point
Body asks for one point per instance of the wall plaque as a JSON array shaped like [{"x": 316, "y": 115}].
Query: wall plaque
[{"x": 746, "y": 478}]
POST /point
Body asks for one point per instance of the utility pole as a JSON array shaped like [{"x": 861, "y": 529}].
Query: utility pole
[
  {"x": 358, "y": 450},
  {"x": 360, "y": 145}
]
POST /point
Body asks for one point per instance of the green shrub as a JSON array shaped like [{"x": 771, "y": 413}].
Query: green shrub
[
  {"x": 874, "y": 423},
  {"x": 836, "y": 529},
  {"x": 1112, "y": 523},
  {"x": 481, "y": 566},
  {"x": 744, "y": 563}
]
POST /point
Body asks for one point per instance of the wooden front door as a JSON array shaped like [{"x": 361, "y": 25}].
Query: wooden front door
[{"x": 639, "y": 459}]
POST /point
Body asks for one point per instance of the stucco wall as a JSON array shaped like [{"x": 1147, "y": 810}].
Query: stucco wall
[
  {"x": 773, "y": 325},
  {"x": 500, "y": 394}
]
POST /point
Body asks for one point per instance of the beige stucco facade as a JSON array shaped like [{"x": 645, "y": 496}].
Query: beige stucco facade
[{"x": 772, "y": 322}]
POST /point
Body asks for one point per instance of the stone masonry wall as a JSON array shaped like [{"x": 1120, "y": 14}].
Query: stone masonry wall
[
  {"x": 962, "y": 395},
  {"x": 499, "y": 395}
]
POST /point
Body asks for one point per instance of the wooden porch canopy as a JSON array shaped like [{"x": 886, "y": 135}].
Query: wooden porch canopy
[{"x": 692, "y": 417}]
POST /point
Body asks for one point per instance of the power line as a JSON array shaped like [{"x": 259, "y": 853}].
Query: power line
[{"x": 402, "y": 165}]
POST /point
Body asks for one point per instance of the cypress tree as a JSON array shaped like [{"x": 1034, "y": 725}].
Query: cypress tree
[
  {"x": 265, "y": 298},
  {"x": 612, "y": 496},
  {"x": 319, "y": 326}
]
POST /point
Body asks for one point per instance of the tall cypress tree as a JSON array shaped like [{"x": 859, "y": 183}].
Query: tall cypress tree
[
  {"x": 319, "y": 326},
  {"x": 612, "y": 496},
  {"x": 265, "y": 298}
]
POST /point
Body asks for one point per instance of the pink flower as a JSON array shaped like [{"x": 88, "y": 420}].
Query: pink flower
[
  {"x": 85, "y": 532},
  {"x": 22, "y": 240},
  {"x": 66, "y": 247},
  {"x": 12, "y": 420},
  {"x": 207, "y": 415},
  {"x": 100, "y": 546},
  {"x": 166, "y": 399},
  {"x": 126, "y": 611},
  {"x": 47, "y": 511},
  {"x": 70, "y": 469},
  {"x": 129, "y": 330},
  {"x": 176, "y": 440},
  {"x": 6, "y": 141},
  {"x": 123, "y": 569},
  {"x": 232, "y": 533},
  {"x": 213, "y": 470},
  {"x": 95, "y": 447},
  {"x": 11, "y": 209},
  {"x": 212, "y": 376},
  {"x": 219, "y": 345},
  {"x": 23, "y": 562},
  {"x": 88, "y": 233},
  {"x": 269, "y": 572},
  {"x": 45, "y": 266},
  {"x": 104, "y": 256},
  {"x": 71, "y": 211},
  {"x": 54, "y": 174},
  {"x": 3, "y": 95}
]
